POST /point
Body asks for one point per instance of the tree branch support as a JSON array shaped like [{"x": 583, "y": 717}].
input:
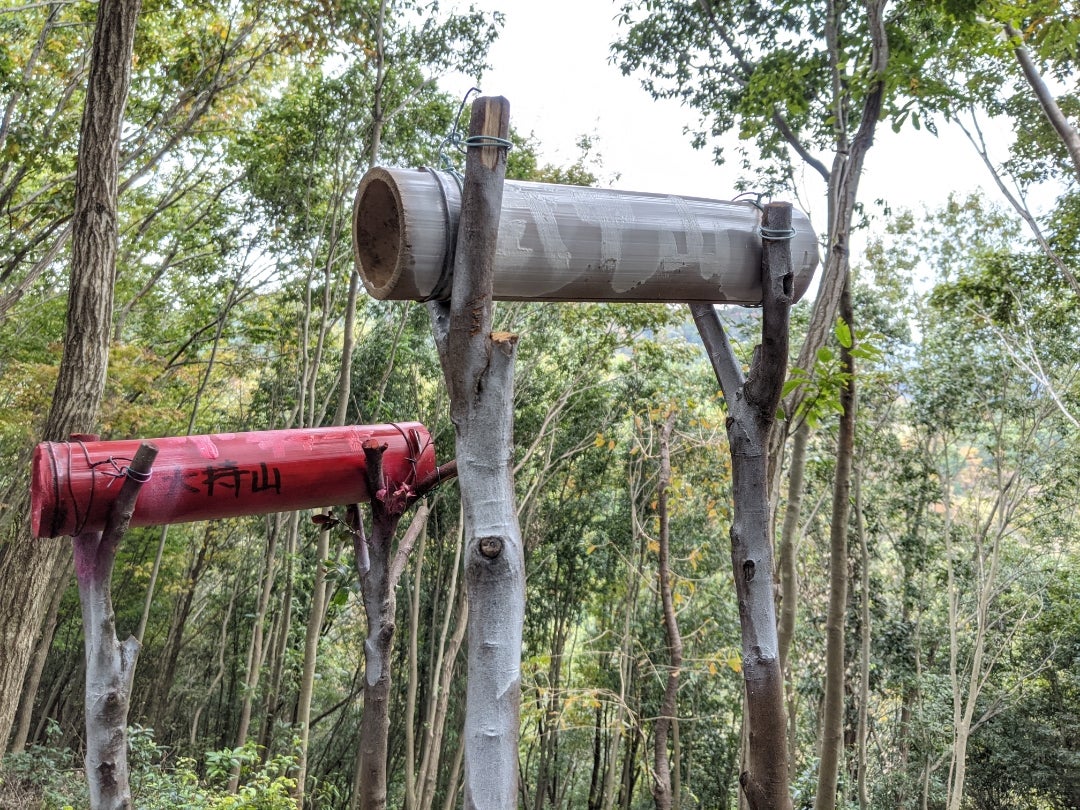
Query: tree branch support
[
  {"x": 479, "y": 368},
  {"x": 752, "y": 401},
  {"x": 110, "y": 664}
]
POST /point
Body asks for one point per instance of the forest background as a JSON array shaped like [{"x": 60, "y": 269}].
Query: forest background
[{"x": 246, "y": 130}]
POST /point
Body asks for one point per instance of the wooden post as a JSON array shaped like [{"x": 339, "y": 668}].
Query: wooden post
[
  {"x": 110, "y": 665},
  {"x": 752, "y": 402},
  {"x": 379, "y": 567},
  {"x": 479, "y": 368}
]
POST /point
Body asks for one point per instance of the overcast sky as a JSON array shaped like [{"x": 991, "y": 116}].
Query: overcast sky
[{"x": 552, "y": 63}]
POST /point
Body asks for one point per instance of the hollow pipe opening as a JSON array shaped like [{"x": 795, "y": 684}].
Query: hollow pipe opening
[{"x": 377, "y": 234}]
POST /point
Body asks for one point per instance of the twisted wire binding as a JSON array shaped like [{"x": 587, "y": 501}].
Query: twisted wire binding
[
  {"x": 756, "y": 202},
  {"x": 80, "y": 524},
  {"x": 117, "y": 470},
  {"x": 776, "y": 234},
  {"x": 455, "y": 140},
  {"x": 135, "y": 475},
  {"x": 488, "y": 140}
]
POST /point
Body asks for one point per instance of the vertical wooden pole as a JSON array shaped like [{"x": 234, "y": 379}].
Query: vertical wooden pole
[
  {"x": 752, "y": 402},
  {"x": 479, "y": 368},
  {"x": 110, "y": 665}
]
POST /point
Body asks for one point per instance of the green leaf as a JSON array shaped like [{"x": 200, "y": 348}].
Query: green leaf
[{"x": 843, "y": 333}]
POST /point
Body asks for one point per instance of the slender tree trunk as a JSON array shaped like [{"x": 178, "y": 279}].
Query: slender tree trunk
[
  {"x": 380, "y": 605},
  {"x": 479, "y": 365},
  {"x": 789, "y": 580},
  {"x": 110, "y": 665},
  {"x": 864, "y": 643},
  {"x": 254, "y": 660},
  {"x": 1068, "y": 134},
  {"x": 441, "y": 662},
  {"x": 316, "y": 612},
  {"x": 223, "y": 639},
  {"x": 626, "y": 669},
  {"x": 170, "y": 656},
  {"x": 453, "y": 784},
  {"x": 429, "y": 768},
  {"x": 832, "y": 722},
  {"x": 411, "y": 756},
  {"x": 282, "y": 626},
  {"x": 663, "y": 793},
  {"x": 752, "y": 402},
  {"x": 37, "y": 667},
  {"x": 380, "y": 566},
  {"x": 29, "y": 569},
  {"x": 789, "y": 583}
]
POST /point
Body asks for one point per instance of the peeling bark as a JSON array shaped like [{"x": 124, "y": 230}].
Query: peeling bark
[
  {"x": 110, "y": 664},
  {"x": 752, "y": 402},
  {"x": 479, "y": 367},
  {"x": 29, "y": 569}
]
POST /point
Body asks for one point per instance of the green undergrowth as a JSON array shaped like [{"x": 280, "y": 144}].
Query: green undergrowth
[{"x": 45, "y": 777}]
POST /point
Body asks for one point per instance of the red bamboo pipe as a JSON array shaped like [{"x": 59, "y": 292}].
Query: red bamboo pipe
[{"x": 222, "y": 475}]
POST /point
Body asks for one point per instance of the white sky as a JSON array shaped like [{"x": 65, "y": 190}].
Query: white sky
[{"x": 552, "y": 63}]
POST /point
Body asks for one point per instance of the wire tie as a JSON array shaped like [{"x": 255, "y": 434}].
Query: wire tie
[
  {"x": 488, "y": 140},
  {"x": 135, "y": 475},
  {"x": 776, "y": 234}
]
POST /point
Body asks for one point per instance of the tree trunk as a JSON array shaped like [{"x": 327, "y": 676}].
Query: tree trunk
[
  {"x": 312, "y": 634},
  {"x": 439, "y": 706},
  {"x": 282, "y": 627},
  {"x": 110, "y": 665},
  {"x": 1068, "y": 134},
  {"x": 254, "y": 660},
  {"x": 752, "y": 402},
  {"x": 412, "y": 758},
  {"x": 28, "y": 568},
  {"x": 41, "y": 654},
  {"x": 864, "y": 642},
  {"x": 832, "y": 722},
  {"x": 662, "y": 789},
  {"x": 479, "y": 366},
  {"x": 789, "y": 583},
  {"x": 380, "y": 566},
  {"x": 170, "y": 655}
]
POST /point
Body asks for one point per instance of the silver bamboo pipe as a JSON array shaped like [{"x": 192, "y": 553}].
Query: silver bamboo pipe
[{"x": 568, "y": 243}]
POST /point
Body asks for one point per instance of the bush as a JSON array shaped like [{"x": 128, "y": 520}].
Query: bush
[{"x": 48, "y": 778}]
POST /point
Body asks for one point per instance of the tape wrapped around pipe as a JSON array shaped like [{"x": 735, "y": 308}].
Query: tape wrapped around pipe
[{"x": 568, "y": 243}]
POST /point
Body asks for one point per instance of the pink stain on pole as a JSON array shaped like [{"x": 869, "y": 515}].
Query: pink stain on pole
[{"x": 219, "y": 476}]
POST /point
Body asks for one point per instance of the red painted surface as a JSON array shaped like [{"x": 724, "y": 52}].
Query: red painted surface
[{"x": 218, "y": 476}]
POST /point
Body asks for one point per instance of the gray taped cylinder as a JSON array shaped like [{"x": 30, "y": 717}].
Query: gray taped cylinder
[{"x": 568, "y": 243}]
